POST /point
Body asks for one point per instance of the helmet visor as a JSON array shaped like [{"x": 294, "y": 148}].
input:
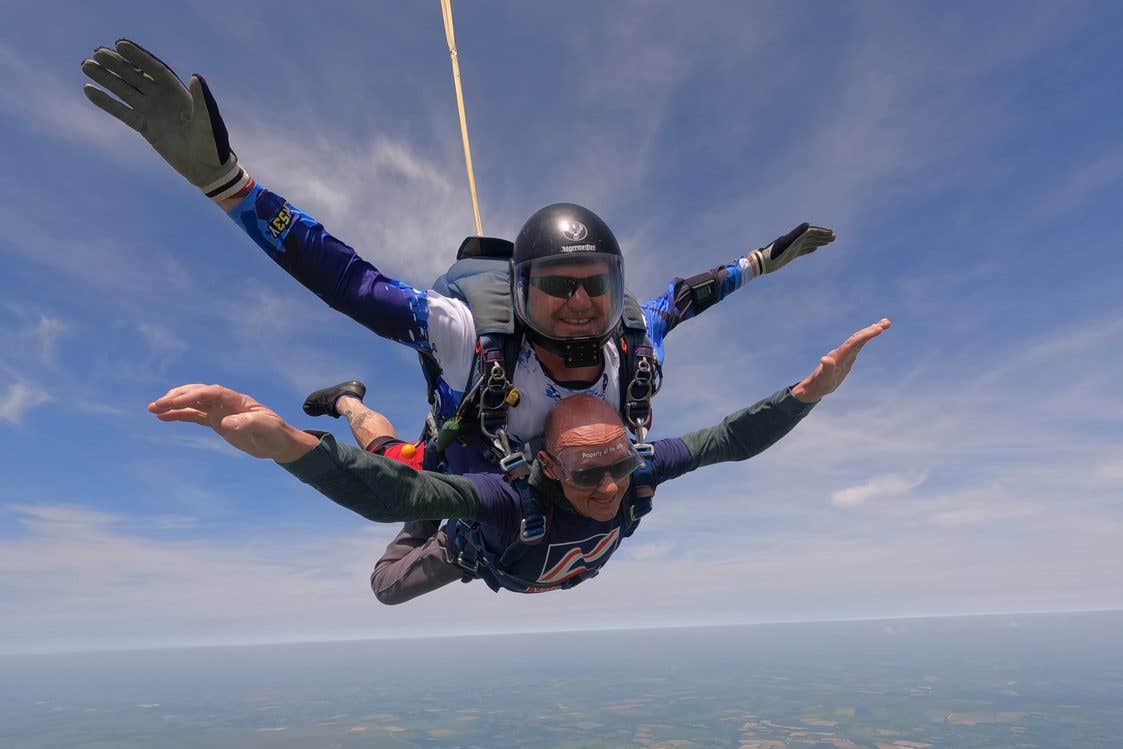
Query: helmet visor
[{"x": 570, "y": 296}]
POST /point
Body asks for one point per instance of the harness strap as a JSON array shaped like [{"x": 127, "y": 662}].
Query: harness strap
[
  {"x": 532, "y": 527},
  {"x": 431, "y": 369},
  {"x": 494, "y": 388},
  {"x": 643, "y": 491},
  {"x": 641, "y": 376},
  {"x": 496, "y": 397}
]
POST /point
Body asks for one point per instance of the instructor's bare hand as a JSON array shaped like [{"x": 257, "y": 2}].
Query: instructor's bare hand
[
  {"x": 238, "y": 419},
  {"x": 834, "y": 367}
]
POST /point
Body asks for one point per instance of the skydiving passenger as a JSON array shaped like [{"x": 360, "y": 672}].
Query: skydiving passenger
[
  {"x": 569, "y": 327},
  {"x": 588, "y": 477}
]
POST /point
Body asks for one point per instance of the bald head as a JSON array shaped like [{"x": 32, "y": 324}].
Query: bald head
[{"x": 581, "y": 421}]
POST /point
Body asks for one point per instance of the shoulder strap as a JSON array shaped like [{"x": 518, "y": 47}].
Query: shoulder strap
[
  {"x": 641, "y": 376},
  {"x": 643, "y": 491},
  {"x": 480, "y": 278},
  {"x": 632, "y": 315},
  {"x": 532, "y": 527}
]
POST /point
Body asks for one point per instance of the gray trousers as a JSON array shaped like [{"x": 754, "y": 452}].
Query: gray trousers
[{"x": 416, "y": 562}]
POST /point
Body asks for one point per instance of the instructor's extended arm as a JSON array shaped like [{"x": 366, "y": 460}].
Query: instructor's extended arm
[
  {"x": 686, "y": 298},
  {"x": 183, "y": 124},
  {"x": 345, "y": 281}
]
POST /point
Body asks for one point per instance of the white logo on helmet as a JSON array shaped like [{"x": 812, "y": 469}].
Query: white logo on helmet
[{"x": 572, "y": 230}]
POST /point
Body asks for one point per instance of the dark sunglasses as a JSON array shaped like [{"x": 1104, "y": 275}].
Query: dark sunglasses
[
  {"x": 564, "y": 287},
  {"x": 591, "y": 478}
]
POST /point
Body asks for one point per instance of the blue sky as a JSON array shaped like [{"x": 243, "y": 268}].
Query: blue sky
[{"x": 969, "y": 158}]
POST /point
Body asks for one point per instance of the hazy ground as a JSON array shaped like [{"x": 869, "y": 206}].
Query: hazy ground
[{"x": 1009, "y": 681}]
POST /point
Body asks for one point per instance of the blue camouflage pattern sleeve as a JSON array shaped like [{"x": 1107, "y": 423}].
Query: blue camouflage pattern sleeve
[
  {"x": 333, "y": 271},
  {"x": 680, "y": 302}
]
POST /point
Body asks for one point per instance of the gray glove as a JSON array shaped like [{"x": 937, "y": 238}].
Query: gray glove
[
  {"x": 183, "y": 125},
  {"x": 802, "y": 240}
]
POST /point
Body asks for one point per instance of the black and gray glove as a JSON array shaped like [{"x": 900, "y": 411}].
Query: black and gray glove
[
  {"x": 182, "y": 124},
  {"x": 802, "y": 240}
]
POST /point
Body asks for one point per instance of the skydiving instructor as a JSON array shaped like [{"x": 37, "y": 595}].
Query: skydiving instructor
[{"x": 561, "y": 355}]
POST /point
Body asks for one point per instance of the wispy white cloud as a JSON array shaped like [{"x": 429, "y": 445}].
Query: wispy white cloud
[
  {"x": 128, "y": 272},
  {"x": 161, "y": 339},
  {"x": 122, "y": 572},
  {"x": 977, "y": 514},
  {"x": 877, "y": 487},
  {"x": 885, "y": 137},
  {"x": 197, "y": 441},
  {"x": 97, "y": 408},
  {"x": 649, "y": 551},
  {"x": 1109, "y": 473},
  {"x": 401, "y": 209},
  {"x": 19, "y": 399},
  {"x": 1086, "y": 182},
  {"x": 40, "y": 101},
  {"x": 134, "y": 589},
  {"x": 164, "y": 346},
  {"x": 45, "y": 335}
]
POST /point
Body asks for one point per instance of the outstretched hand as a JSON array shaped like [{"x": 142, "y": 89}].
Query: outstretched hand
[
  {"x": 800, "y": 241},
  {"x": 181, "y": 122},
  {"x": 238, "y": 419},
  {"x": 834, "y": 367}
]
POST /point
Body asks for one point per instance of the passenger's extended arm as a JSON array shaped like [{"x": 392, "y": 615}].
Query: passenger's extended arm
[
  {"x": 382, "y": 489},
  {"x": 378, "y": 488},
  {"x": 754, "y": 429},
  {"x": 747, "y": 432}
]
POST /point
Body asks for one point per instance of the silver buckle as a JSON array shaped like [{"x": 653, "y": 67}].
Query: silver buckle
[{"x": 530, "y": 538}]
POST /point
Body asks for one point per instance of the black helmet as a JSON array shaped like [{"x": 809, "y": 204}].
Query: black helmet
[{"x": 567, "y": 281}]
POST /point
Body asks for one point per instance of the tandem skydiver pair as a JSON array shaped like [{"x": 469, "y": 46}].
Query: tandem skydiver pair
[{"x": 518, "y": 328}]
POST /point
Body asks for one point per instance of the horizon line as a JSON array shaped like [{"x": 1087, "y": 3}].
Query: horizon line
[{"x": 500, "y": 633}]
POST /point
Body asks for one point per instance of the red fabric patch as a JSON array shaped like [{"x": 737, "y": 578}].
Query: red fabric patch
[{"x": 410, "y": 453}]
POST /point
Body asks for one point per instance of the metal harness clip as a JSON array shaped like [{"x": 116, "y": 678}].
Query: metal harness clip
[
  {"x": 514, "y": 466},
  {"x": 531, "y": 534}
]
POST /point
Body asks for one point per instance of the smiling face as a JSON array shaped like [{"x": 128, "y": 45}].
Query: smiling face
[
  {"x": 589, "y": 454},
  {"x": 570, "y": 300},
  {"x": 570, "y": 296}
]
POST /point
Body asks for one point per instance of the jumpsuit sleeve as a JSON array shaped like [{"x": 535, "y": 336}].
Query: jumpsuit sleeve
[
  {"x": 687, "y": 298},
  {"x": 382, "y": 489},
  {"x": 747, "y": 432},
  {"x": 423, "y": 320}
]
